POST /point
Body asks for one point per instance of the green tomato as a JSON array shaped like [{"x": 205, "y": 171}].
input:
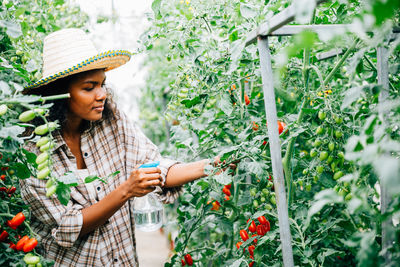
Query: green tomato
[
  {"x": 265, "y": 192},
  {"x": 338, "y": 119},
  {"x": 333, "y": 166},
  {"x": 51, "y": 190},
  {"x": 338, "y": 134},
  {"x": 49, "y": 183},
  {"x": 305, "y": 171},
  {"x": 337, "y": 175},
  {"x": 323, "y": 155},
  {"x": 308, "y": 187},
  {"x": 316, "y": 178},
  {"x": 43, "y": 165},
  {"x": 320, "y": 169},
  {"x": 42, "y": 141},
  {"x": 270, "y": 184},
  {"x": 342, "y": 192},
  {"x": 262, "y": 200},
  {"x": 46, "y": 147},
  {"x": 321, "y": 115},
  {"x": 300, "y": 182},
  {"x": 181, "y": 95},
  {"x": 43, "y": 173},
  {"x": 253, "y": 192},
  {"x": 273, "y": 200},
  {"x": 329, "y": 160},
  {"x": 31, "y": 259},
  {"x": 27, "y": 116},
  {"x": 42, "y": 158},
  {"x": 313, "y": 153},
  {"x": 320, "y": 130},
  {"x": 340, "y": 155},
  {"x": 317, "y": 143},
  {"x": 255, "y": 203},
  {"x": 348, "y": 197},
  {"x": 331, "y": 146},
  {"x": 268, "y": 206},
  {"x": 45, "y": 128},
  {"x": 3, "y": 109}
]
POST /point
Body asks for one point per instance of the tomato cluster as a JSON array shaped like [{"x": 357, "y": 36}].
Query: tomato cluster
[
  {"x": 257, "y": 230},
  {"x": 187, "y": 259}
]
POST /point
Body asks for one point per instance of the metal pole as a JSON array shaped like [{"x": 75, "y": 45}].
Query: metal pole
[
  {"x": 275, "y": 148},
  {"x": 383, "y": 79}
]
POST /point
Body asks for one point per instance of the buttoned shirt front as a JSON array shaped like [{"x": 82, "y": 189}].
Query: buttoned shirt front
[{"x": 107, "y": 147}]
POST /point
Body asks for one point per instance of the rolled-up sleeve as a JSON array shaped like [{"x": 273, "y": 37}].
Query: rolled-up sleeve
[
  {"x": 64, "y": 222},
  {"x": 142, "y": 150}
]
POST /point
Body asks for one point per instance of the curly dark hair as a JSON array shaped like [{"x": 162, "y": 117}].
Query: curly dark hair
[{"x": 59, "y": 108}]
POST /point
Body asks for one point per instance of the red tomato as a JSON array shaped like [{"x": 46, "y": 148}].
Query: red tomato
[
  {"x": 281, "y": 126},
  {"x": 262, "y": 220},
  {"x": 3, "y": 177},
  {"x": 228, "y": 186},
  {"x": 251, "y": 250},
  {"x": 21, "y": 242},
  {"x": 251, "y": 264},
  {"x": 16, "y": 221},
  {"x": 255, "y": 126},
  {"x": 3, "y": 189},
  {"x": 244, "y": 235},
  {"x": 226, "y": 191},
  {"x": 30, "y": 245},
  {"x": 246, "y": 99},
  {"x": 13, "y": 246},
  {"x": 226, "y": 198},
  {"x": 11, "y": 190},
  {"x": 255, "y": 239},
  {"x": 183, "y": 262},
  {"x": 215, "y": 205},
  {"x": 238, "y": 244},
  {"x": 189, "y": 259},
  {"x": 3, "y": 236},
  {"x": 260, "y": 230},
  {"x": 252, "y": 227}
]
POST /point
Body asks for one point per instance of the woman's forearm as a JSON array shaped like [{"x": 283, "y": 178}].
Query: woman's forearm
[
  {"x": 97, "y": 214},
  {"x": 183, "y": 173}
]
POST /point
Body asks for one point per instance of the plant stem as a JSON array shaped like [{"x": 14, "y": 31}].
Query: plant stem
[{"x": 340, "y": 62}]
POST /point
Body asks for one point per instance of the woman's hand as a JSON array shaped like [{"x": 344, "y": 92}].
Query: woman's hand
[{"x": 143, "y": 181}]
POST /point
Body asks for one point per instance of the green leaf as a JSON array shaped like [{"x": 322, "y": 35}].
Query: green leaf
[
  {"x": 13, "y": 29},
  {"x": 12, "y": 132},
  {"x": 247, "y": 12},
  {"x": 21, "y": 170},
  {"x": 63, "y": 193},
  {"x": 156, "y": 6},
  {"x": 68, "y": 178},
  {"x": 225, "y": 104},
  {"x": 30, "y": 157},
  {"x": 323, "y": 198},
  {"x": 223, "y": 178}
]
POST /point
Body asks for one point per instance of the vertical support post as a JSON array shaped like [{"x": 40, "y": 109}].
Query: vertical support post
[
  {"x": 275, "y": 148},
  {"x": 383, "y": 79}
]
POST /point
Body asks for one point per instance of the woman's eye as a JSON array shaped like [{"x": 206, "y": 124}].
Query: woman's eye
[{"x": 88, "y": 89}]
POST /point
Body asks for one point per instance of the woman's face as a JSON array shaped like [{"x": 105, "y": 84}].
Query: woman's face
[{"x": 87, "y": 96}]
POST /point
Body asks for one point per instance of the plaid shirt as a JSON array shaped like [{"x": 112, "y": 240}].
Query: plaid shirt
[{"x": 107, "y": 147}]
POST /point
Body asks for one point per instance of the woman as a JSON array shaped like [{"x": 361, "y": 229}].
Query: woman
[{"x": 96, "y": 228}]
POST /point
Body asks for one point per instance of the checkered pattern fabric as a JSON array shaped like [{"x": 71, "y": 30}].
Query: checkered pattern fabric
[{"x": 107, "y": 147}]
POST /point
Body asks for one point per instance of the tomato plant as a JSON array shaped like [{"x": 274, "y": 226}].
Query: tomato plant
[
  {"x": 206, "y": 97},
  {"x": 23, "y": 25}
]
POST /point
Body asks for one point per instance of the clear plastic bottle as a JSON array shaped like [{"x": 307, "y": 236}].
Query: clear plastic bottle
[
  {"x": 147, "y": 213},
  {"x": 148, "y": 210}
]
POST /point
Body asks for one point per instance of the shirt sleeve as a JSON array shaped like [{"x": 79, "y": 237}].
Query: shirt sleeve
[
  {"x": 139, "y": 150},
  {"x": 65, "y": 222}
]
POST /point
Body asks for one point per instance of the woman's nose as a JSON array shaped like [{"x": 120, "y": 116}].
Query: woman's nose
[{"x": 101, "y": 93}]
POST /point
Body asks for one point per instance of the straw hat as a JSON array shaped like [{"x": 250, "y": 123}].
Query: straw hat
[{"x": 70, "y": 51}]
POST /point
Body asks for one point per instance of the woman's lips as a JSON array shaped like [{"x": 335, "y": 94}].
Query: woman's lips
[{"x": 99, "y": 109}]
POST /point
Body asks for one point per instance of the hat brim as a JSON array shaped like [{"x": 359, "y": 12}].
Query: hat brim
[{"x": 107, "y": 60}]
